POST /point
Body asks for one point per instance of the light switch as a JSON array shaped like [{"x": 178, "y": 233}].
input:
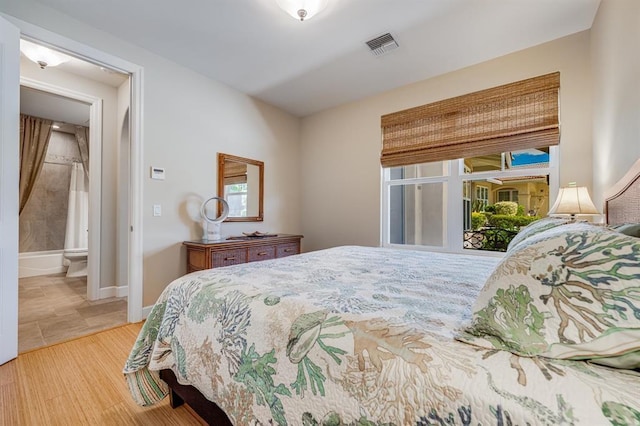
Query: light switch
[{"x": 157, "y": 210}]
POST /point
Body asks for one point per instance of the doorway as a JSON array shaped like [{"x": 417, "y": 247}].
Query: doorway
[
  {"x": 92, "y": 102},
  {"x": 11, "y": 30}
]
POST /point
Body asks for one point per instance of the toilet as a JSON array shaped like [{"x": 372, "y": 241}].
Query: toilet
[{"x": 77, "y": 259}]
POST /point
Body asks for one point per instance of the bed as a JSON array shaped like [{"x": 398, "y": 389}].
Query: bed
[{"x": 549, "y": 334}]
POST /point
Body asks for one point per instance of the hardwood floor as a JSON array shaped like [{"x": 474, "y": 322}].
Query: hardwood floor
[
  {"x": 80, "y": 382},
  {"x": 54, "y": 308}
]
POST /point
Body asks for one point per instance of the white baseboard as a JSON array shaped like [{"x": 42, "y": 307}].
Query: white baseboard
[
  {"x": 113, "y": 291},
  {"x": 146, "y": 311}
]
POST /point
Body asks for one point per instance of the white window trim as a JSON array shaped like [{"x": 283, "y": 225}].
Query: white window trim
[{"x": 453, "y": 177}]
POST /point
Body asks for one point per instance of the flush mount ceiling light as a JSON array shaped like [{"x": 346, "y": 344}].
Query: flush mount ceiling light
[
  {"x": 43, "y": 56},
  {"x": 302, "y": 9}
]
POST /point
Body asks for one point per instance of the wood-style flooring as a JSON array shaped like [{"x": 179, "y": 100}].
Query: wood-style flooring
[
  {"x": 80, "y": 382},
  {"x": 54, "y": 308}
]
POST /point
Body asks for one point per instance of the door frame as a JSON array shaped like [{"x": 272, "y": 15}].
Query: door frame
[
  {"x": 95, "y": 175},
  {"x": 9, "y": 192},
  {"x": 136, "y": 73}
]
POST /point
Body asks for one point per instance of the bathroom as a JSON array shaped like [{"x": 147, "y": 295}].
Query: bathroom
[{"x": 53, "y": 225}]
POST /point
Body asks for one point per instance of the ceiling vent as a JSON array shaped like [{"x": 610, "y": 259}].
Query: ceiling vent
[{"x": 383, "y": 44}]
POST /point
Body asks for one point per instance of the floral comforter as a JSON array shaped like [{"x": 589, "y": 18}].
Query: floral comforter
[{"x": 359, "y": 336}]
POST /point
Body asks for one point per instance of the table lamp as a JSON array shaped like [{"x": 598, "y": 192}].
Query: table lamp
[{"x": 573, "y": 200}]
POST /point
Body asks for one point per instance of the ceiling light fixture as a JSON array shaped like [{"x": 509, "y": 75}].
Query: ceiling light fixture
[
  {"x": 43, "y": 56},
  {"x": 302, "y": 9}
]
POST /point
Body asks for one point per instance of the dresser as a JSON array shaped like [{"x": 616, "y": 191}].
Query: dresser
[{"x": 214, "y": 254}]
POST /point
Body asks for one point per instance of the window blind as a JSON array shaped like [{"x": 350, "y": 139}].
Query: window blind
[
  {"x": 235, "y": 173},
  {"x": 511, "y": 117}
]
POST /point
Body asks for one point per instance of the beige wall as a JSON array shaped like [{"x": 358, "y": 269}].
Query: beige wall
[
  {"x": 340, "y": 147},
  {"x": 109, "y": 96},
  {"x": 188, "y": 119},
  {"x": 615, "y": 57}
]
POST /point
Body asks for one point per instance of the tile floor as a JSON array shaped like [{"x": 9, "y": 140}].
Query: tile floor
[{"x": 54, "y": 308}]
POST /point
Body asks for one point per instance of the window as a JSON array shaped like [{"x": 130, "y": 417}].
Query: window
[
  {"x": 236, "y": 196},
  {"x": 448, "y": 205},
  {"x": 445, "y": 165},
  {"x": 482, "y": 196},
  {"x": 507, "y": 195}
]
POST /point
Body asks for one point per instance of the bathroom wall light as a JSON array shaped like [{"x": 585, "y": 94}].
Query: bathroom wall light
[
  {"x": 302, "y": 9},
  {"x": 43, "y": 56}
]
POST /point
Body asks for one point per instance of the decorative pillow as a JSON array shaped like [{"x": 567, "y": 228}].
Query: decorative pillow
[
  {"x": 535, "y": 228},
  {"x": 631, "y": 229},
  {"x": 571, "y": 292}
]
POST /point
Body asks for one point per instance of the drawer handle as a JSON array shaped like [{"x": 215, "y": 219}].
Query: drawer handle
[
  {"x": 262, "y": 253},
  {"x": 288, "y": 250},
  {"x": 230, "y": 258}
]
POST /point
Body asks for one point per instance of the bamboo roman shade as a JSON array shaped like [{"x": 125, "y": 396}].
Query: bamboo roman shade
[
  {"x": 235, "y": 173},
  {"x": 512, "y": 117}
]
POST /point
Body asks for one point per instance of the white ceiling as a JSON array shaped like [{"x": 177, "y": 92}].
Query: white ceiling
[
  {"x": 53, "y": 107},
  {"x": 61, "y": 109},
  {"x": 305, "y": 67}
]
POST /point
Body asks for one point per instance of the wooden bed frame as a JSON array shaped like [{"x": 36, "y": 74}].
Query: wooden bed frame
[
  {"x": 179, "y": 394},
  {"x": 621, "y": 205}
]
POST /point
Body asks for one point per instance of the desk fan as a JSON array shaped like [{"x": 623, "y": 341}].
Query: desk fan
[{"x": 211, "y": 226}]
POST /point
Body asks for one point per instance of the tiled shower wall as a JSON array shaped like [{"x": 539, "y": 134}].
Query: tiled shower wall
[{"x": 44, "y": 219}]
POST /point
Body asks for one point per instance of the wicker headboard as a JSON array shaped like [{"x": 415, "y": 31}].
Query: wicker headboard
[{"x": 622, "y": 201}]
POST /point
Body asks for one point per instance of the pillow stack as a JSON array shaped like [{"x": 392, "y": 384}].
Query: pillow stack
[{"x": 565, "y": 291}]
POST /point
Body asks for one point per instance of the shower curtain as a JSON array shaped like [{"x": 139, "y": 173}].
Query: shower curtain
[
  {"x": 34, "y": 139},
  {"x": 77, "y": 233}
]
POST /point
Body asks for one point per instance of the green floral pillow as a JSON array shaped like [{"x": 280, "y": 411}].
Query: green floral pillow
[
  {"x": 571, "y": 292},
  {"x": 535, "y": 228}
]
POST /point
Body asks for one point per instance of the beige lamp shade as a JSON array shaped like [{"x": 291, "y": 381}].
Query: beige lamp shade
[{"x": 573, "y": 200}]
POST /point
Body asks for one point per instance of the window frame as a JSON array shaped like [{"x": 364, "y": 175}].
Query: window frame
[{"x": 453, "y": 178}]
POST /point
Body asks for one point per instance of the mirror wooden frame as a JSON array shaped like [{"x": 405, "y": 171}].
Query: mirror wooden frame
[{"x": 225, "y": 158}]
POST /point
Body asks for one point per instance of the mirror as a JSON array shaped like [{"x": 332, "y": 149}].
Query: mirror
[{"x": 241, "y": 183}]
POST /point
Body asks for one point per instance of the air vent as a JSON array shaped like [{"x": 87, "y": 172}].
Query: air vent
[{"x": 383, "y": 44}]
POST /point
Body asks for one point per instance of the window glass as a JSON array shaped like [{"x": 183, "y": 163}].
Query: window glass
[
  {"x": 496, "y": 215},
  {"x": 500, "y": 194},
  {"x": 515, "y": 160},
  {"x": 416, "y": 214},
  {"x": 236, "y": 196},
  {"x": 482, "y": 197},
  {"x": 508, "y": 195}
]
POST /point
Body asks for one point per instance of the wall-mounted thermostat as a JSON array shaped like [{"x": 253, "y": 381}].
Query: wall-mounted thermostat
[{"x": 157, "y": 173}]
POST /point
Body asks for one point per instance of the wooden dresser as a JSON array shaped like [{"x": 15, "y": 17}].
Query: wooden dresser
[{"x": 214, "y": 254}]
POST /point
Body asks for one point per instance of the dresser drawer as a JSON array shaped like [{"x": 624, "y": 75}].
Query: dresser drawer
[
  {"x": 284, "y": 250},
  {"x": 196, "y": 260},
  {"x": 232, "y": 251},
  {"x": 229, "y": 257},
  {"x": 261, "y": 253}
]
